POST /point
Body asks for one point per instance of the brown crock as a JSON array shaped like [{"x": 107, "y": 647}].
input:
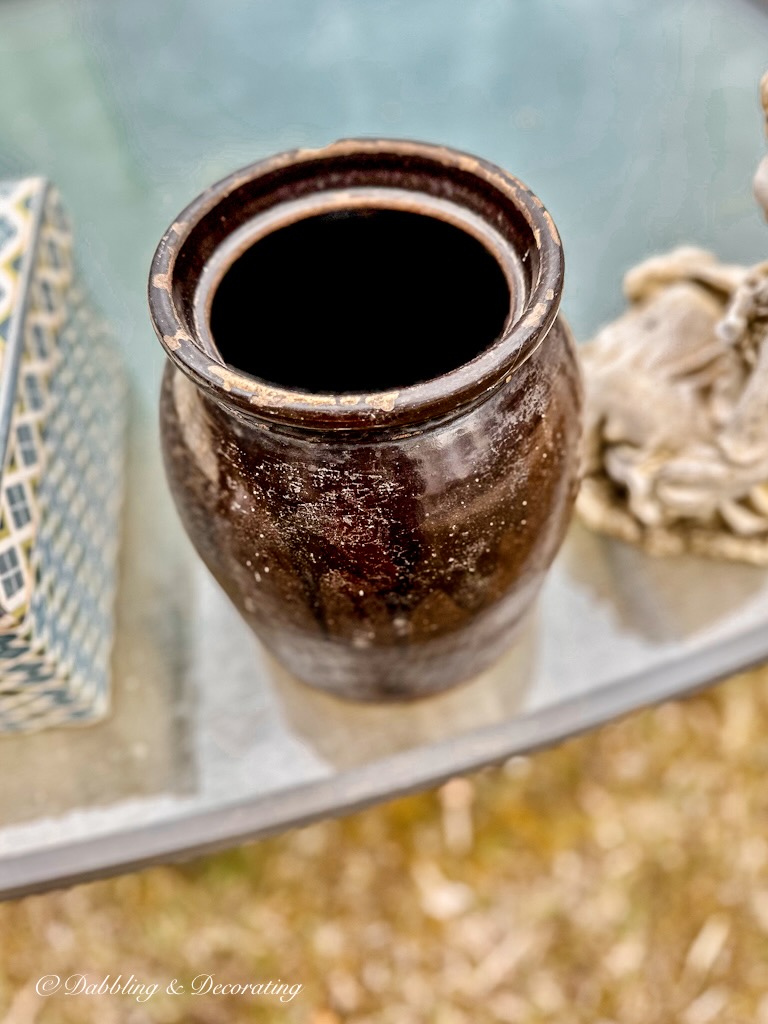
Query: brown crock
[{"x": 384, "y": 542}]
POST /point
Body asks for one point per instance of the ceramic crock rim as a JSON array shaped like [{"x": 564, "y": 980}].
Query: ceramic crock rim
[{"x": 434, "y": 398}]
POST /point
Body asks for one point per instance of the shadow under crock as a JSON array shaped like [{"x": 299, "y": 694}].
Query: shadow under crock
[{"x": 347, "y": 733}]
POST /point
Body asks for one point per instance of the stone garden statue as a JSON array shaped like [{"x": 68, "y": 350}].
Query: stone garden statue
[{"x": 676, "y": 446}]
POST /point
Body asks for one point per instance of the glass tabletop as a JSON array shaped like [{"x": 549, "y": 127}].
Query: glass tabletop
[{"x": 638, "y": 125}]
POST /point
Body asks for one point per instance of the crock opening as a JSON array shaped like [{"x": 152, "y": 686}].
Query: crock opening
[
  {"x": 502, "y": 240},
  {"x": 359, "y": 300}
]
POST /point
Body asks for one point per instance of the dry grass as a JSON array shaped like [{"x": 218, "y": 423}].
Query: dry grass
[{"x": 622, "y": 877}]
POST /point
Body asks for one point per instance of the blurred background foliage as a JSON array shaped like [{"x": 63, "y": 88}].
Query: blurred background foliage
[{"x": 621, "y": 878}]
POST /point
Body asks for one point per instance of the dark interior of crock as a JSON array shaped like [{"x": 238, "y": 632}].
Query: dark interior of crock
[{"x": 359, "y": 300}]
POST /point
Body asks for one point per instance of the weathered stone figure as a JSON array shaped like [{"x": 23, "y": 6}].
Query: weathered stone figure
[{"x": 676, "y": 455}]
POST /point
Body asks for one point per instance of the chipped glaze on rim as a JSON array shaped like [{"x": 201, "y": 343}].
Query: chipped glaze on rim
[{"x": 188, "y": 342}]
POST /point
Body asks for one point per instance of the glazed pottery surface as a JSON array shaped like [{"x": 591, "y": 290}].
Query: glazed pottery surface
[{"x": 383, "y": 542}]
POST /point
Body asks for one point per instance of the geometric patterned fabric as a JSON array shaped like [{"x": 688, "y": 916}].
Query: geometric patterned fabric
[{"x": 62, "y": 403}]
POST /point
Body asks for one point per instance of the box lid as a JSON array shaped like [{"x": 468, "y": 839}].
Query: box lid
[
  {"x": 34, "y": 274},
  {"x": 21, "y": 210}
]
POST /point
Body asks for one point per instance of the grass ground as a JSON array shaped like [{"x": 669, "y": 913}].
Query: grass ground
[{"x": 622, "y": 877}]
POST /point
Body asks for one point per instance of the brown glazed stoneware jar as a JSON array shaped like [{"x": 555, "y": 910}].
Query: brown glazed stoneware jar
[{"x": 371, "y": 411}]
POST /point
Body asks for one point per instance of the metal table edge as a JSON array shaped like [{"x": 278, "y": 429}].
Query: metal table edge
[{"x": 397, "y": 775}]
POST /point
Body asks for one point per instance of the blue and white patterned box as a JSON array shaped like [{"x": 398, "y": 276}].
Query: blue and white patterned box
[{"x": 61, "y": 442}]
